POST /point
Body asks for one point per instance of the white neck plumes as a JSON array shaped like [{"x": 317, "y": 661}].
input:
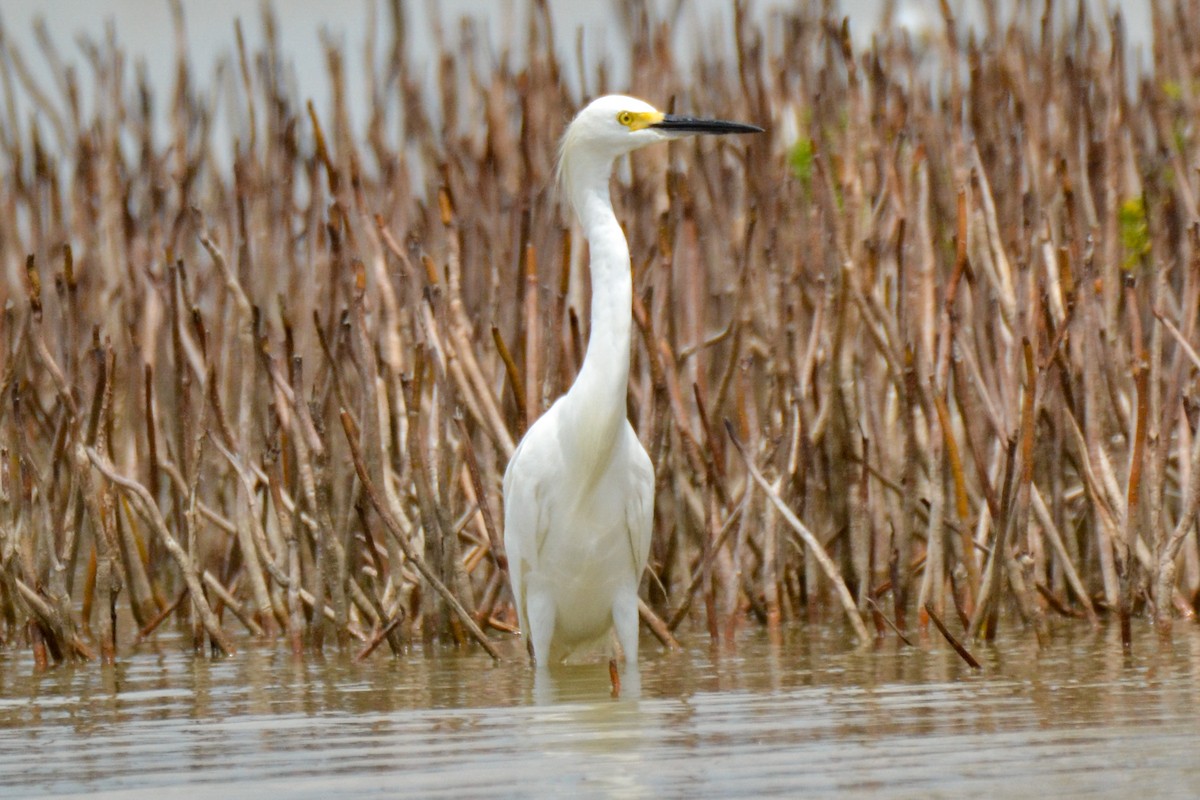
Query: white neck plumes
[{"x": 598, "y": 394}]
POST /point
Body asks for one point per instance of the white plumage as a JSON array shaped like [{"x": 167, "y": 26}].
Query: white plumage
[{"x": 579, "y": 490}]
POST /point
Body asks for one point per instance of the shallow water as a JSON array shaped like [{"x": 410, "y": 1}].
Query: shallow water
[{"x": 808, "y": 716}]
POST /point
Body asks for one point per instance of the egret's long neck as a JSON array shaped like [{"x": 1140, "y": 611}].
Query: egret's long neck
[{"x": 598, "y": 394}]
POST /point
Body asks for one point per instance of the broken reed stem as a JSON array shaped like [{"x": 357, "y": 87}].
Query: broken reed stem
[
  {"x": 899, "y": 633},
  {"x": 398, "y": 534},
  {"x": 514, "y": 380},
  {"x": 955, "y": 643},
  {"x": 146, "y": 507},
  {"x": 232, "y": 603},
  {"x": 161, "y": 617},
  {"x": 660, "y": 629},
  {"x": 814, "y": 545}
]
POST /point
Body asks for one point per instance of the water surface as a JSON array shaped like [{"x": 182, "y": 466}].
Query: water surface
[{"x": 807, "y": 716}]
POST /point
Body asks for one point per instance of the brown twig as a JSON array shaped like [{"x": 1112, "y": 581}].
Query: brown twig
[{"x": 957, "y": 645}]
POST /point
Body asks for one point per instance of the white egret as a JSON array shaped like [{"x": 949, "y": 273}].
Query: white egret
[{"x": 579, "y": 490}]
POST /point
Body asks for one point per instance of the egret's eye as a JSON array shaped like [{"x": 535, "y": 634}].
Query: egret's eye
[{"x": 625, "y": 118}]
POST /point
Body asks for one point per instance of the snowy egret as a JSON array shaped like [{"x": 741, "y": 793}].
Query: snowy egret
[{"x": 579, "y": 490}]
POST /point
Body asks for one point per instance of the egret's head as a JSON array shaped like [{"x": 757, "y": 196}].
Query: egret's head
[{"x": 614, "y": 125}]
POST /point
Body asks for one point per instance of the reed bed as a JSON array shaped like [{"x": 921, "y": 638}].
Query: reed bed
[{"x": 927, "y": 346}]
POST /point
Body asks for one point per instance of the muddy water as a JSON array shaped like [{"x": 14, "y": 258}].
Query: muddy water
[{"x": 807, "y": 716}]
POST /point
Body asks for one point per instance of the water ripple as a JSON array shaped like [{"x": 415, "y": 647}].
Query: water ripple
[{"x": 786, "y": 720}]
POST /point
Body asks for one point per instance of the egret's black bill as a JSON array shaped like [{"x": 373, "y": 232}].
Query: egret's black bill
[{"x": 670, "y": 122}]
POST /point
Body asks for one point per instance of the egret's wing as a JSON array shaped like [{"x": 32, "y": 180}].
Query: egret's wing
[
  {"x": 639, "y": 513},
  {"x": 517, "y": 524},
  {"x": 523, "y": 520}
]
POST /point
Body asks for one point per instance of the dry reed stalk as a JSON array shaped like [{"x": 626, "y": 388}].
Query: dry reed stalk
[
  {"x": 145, "y": 506},
  {"x": 963, "y": 653},
  {"x": 439, "y": 586},
  {"x": 831, "y": 570},
  {"x": 852, "y": 290}
]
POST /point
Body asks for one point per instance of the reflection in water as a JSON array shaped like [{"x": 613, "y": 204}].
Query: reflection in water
[
  {"x": 807, "y": 714},
  {"x": 583, "y": 683}
]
